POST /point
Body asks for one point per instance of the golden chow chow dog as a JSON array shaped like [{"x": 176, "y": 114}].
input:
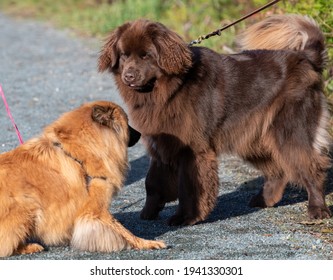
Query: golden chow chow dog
[
  {"x": 57, "y": 188},
  {"x": 191, "y": 104}
]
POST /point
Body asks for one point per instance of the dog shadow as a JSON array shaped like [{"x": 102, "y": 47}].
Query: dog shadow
[
  {"x": 236, "y": 203},
  {"x": 231, "y": 204},
  {"x": 138, "y": 170}
]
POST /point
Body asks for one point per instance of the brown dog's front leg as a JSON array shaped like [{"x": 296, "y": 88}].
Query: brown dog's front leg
[
  {"x": 161, "y": 187},
  {"x": 198, "y": 187}
]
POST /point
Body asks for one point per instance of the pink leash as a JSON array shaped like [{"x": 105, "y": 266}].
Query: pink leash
[{"x": 10, "y": 115}]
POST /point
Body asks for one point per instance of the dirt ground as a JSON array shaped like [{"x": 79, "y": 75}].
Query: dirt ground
[{"x": 45, "y": 72}]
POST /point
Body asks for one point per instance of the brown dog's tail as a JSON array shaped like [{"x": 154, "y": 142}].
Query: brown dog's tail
[{"x": 292, "y": 32}]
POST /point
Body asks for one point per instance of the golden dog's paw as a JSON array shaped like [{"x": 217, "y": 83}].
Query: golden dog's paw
[
  {"x": 158, "y": 244},
  {"x": 151, "y": 244},
  {"x": 29, "y": 249}
]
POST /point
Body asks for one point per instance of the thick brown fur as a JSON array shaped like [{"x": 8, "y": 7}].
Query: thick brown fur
[
  {"x": 57, "y": 188},
  {"x": 192, "y": 104}
]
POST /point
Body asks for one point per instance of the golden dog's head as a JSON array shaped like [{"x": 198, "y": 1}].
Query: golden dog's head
[
  {"x": 142, "y": 51},
  {"x": 97, "y": 134},
  {"x": 95, "y": 121}
]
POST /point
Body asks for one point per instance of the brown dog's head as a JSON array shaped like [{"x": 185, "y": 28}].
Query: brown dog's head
[{"x": 142, "y": 51}]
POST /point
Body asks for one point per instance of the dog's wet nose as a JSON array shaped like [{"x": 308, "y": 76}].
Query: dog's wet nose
[{"x": 129, "y": 77}]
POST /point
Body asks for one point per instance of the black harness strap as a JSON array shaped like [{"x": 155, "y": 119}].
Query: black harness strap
[{"x": 88, "y": 178}]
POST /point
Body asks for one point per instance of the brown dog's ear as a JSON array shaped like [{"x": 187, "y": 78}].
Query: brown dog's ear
[
  {"x": 109, "y": 54},
  {"x": 174, "y": 56}
]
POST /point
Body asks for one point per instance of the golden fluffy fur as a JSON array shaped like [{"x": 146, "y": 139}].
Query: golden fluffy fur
[{"x": 57, "y": 188}]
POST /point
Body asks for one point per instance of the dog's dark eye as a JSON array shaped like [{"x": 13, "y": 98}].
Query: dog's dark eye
[{"x": 144, "y": 55}]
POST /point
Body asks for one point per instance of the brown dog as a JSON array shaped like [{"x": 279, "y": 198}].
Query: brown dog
[
  {"x": 191, "y": 104},
  {"x": 57, "y": 188}
]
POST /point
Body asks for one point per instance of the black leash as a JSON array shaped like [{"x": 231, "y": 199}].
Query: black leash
[{"x": 218, "y": 31}]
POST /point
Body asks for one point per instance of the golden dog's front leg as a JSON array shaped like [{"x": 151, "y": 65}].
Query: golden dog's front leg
[{"x": 96, "y": 229}]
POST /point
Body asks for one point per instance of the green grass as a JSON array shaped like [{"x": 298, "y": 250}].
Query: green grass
[
  {"x": 96, "y": 18},
  {"x": 87, "y": 17},
  {"x": 190, "y": 18}
]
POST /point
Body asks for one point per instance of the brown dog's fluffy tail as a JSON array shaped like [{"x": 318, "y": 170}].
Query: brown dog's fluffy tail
[{"x": 292, "y": 32}]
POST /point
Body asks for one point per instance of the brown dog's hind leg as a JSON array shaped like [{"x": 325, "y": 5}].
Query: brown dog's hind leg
[
  {"x": 317, "y": 208},
  {"x": 270, "y": 194},
  {"x": 275, "y": 179},
  {"x": 198, "y": 183},
  {"x": 312, "y": 177},
  {"x": 308, "y": 169},
  {"x": 161, "y": 187}
]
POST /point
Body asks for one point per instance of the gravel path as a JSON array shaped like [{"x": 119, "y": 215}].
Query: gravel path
[{"x": 45, "y": 72}]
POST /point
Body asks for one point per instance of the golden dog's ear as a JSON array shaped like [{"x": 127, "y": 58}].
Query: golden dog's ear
[
  {"x": 109, "y": 54},
  {"x": 102, "y": 115},
  {"x": 106, "y": 116},
  {"x": 174, "y": 55}
]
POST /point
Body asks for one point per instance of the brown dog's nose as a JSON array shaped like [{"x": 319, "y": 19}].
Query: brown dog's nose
[{"x": 129, "y": 77}]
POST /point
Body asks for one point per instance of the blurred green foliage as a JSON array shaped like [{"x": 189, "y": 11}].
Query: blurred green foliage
[{"x": 190, "y": 18}]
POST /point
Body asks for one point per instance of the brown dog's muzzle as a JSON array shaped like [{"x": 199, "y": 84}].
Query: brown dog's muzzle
[{"x": 129, "y": 76}]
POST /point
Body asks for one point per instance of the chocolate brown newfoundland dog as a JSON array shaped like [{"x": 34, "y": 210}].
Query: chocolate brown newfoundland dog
[{"x": 191, "y": 104}]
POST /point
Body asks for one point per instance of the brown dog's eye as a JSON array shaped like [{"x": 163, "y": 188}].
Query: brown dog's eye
[{"x": 144, "y": 56}]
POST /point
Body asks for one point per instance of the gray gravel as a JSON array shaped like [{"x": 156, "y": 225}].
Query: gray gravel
[{"x": 45, "y": 72}]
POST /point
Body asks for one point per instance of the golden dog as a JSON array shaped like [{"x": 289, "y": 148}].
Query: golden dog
[{"x": 57, "y": 188}]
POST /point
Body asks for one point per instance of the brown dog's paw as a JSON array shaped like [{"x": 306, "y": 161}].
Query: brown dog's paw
[
  {"x": 148, "y": 215},
  {"x": 316, "y": 212},
  {"x": 180, "y": 220},
  {"x": 258, "y": 201},
  {"x": 150, "y": 211},
  {"x": 176, "y": 220}
]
